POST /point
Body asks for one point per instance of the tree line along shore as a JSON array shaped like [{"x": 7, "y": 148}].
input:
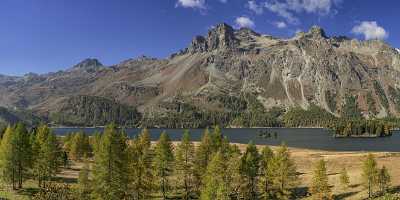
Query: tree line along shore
[{"x": 117, "y": 167}]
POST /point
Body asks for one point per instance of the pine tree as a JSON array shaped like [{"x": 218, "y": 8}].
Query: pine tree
[
  {"x": 185, "y": 164},
  {"x": 83, "y": 189},
  {"x": 370, "y": 174},
  {"x": 215, "y": 185},
  {"x": 140, "y": 169},
  {"x": 233, "y": 176},
  {"x": 16, "y": 155},
  {"x": 202, "y": 158},
  {"x": 285, "y": 175},
  {"x": 344, "y": 178},
  {"x": 383, "y": 180},
  {"x": 249, "y": 167},
  {"x": 110, "y": 165},
  {"x": 79, "y": 146},
  {"x": 7, "y": 162},
  {"x": 163, "y": 162},
  {"x": 266, "y": 173},
  {"x": 216, "y": 139},
  {"x": 320, "y": 187}
]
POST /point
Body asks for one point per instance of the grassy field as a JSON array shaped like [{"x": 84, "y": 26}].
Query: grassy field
[{"x": 304, "y": 159}]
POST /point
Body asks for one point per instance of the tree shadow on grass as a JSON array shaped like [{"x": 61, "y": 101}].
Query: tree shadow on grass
[{"x": 65, "y": 180}]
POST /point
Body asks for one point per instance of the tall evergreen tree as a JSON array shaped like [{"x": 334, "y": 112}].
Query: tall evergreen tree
[
  {"x": 7, "y": 161},
  {"x": 285, "y": 175},
  {"x": 185, "y": 164},
  {"x": 233, "y": 176},
  {"x": 141, "y": 174},
  {"x": 163, "y": 162},
  {"x": 249, "y": 167},
  {"x": 84, "y": 189},
  {"x": 266, "y": 173},
  {"x": 215, "y": 185},
  {"x": 202, "y": 158},
  {"x": 320, "y": 189},
  {"x": 79, "y": 146},
  {"x": 370, "y": 174},
  {"x": 110, "y": 165}
]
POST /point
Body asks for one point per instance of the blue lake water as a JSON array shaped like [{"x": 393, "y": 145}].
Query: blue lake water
[{"x": 309, "y": 138}]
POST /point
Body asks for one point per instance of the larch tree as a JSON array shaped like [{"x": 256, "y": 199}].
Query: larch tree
[
  {"x": 7, "y": 161},
  {"x": 249, "y": 166},
  {"x": 110, "y": 169},
  {"x": 23, "y": 153},
  {"x": 202, "y": 158},
  {"x": 185, "y": 164},
  {"x": 370, "y": 174},
  {"x": 163, "y": 163},
  {"x": 285, "y": 176},
  {"x": 266, "y": 173},
  {"x": 84, "y": 187},
  {"x": 215, "y": 185},
  {"x": 320, "y": 189}
]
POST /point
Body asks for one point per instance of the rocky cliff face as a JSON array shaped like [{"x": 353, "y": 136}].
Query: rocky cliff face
[{"x": 310, "y": 68}]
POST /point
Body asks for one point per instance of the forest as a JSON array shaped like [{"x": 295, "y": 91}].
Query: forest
[{"x": 118, "y": 167}]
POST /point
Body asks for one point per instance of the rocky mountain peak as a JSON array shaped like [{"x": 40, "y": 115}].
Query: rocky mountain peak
[
  {"x": 88, "y": 64},
  {"x": 316, "y": 32}
]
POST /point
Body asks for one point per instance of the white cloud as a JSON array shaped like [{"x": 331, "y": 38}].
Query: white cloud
[
  {"x": 288, "y": 8},
  {"x": 244, "y": 22},
  {"x": 256, "y": 8},
  {"x": 398, "y": 50},
  {"x": 370, "y": 30},
  {"x": 223, "y": 1},
  {"x": 200, "y": 4},
  {"x": 280, "y": 24}
]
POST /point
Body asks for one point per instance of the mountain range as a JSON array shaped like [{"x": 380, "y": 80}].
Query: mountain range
[{"x": 310, "y": 68}]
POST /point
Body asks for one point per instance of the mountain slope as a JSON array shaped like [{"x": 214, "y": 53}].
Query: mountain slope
[{"x": 310, "y": 68}]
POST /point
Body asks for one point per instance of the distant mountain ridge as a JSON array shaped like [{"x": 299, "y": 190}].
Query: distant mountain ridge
[{"x": 309, "y": 69}]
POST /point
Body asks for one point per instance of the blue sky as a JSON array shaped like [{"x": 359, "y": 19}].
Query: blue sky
[{"x": 49, "y": 35}]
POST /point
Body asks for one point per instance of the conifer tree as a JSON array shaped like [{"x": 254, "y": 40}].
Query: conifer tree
[
  {"x": 285, "y": 175},
  {"x": 7, "y": 161},
  {"x": 383, "y": 180},
  {"x": 110, "y": 165},
  {"x": 79, "y": 146},
  {"x": 185, "y": 163},
  {"x": 83, "y": 189},
  {"x": 202, "y": 158},
  {"x": 266, "y": 173},
  {"x": 320, "y": 187},
  {"x": 216, "y": 139},
  {"x": 163, "y": 162},
  {"x": 141, "y": 174},
  {"x": 215, "y": 185},
  {"x": 249, "y": 167},
  {"x": 233, "y": 176},
  {"x": 344, "y": 178},
  {"x": 370, "y": 174}
]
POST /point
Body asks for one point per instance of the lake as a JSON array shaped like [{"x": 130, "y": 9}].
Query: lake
[{"x": 309, "y": 138}]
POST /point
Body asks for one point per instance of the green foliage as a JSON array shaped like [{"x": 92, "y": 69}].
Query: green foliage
[
  {"x": 16, "y": 155},
  {"x": 381, "y": 94},
  {"x": 163, "y": 163},
  {"x": 94, "y": 111},
  {"x": 266, "y": 172},
  {"x": 370, "y": 174},
  {"x": 371, "y": 103},
  {"x": 313, "y": 117},
  {"x": 202, "y": 158},
  {"x": 185, "y": 165},
  {"x": 78, "y": 145},
  {"x": 46, "y": 153},
  {"x": 331, "y": 100},
  {"x": 348, "y": 128},
  {"x": 320, "y": 187},
  {"x": 215, "y": 185},
  {"x": 110, "y": 169},
  {"x": 249, "y": 168},
  {"x": 141, "y": 175},
  {"x": 84, "y": 187},
  {"x": 350, "y": 109},
  {"x": 285, "y": 176}
]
